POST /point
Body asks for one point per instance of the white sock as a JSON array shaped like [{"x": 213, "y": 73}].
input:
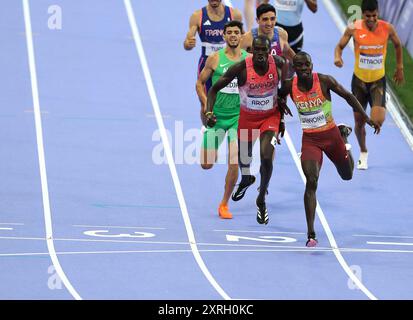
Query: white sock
[{"x": 363, "y": 156}]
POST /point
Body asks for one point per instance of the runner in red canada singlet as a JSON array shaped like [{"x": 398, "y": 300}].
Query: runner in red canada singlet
[{"x": 258, "y": 77}]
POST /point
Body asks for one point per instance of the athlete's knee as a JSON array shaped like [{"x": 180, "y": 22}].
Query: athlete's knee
[
  {"x": 379, "y": 119},
  {"x": 312, "y": 183},
  {"x": 359, "y": 123},
  {"x": 233, "y": 168},
  {"x": 233, "y": 159},
  {"x": 206, "y": 166},
  {"x": 267, "y": 154},
  {"x": 346, "y": 174},
  {"x": 266, "y": 162}
]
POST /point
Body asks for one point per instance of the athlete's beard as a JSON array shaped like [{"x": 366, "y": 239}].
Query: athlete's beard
[
  {"x": 233, "y": 46},
  {"x": 371, "y": 25}
]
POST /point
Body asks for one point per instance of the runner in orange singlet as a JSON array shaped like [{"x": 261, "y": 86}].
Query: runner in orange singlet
[{"x": 370, "y": 37}]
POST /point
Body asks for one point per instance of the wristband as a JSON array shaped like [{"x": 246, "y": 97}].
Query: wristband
[
  {"x": 282, "y": 120},
  {"x": 208, "y": 113}
]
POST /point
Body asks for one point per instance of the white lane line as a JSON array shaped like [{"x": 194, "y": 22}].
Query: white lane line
[
  {"x": 397, "y": 117},
  {"x": 382, "y": 236},
  {"x": 255, "y": 231},
  {"x": 40, "y": 151},
  {"x": 168, "y": 151},
  {"x": 120, "y": 227},
  {"x": 12, "y": 223},
  {"x": 326, "y": 227},
  {"x": 298, "y": 249},
  {"x": 391, "y": 243},
  {"x": 1, "y": 228},
  {"x": 209, "y": 244}
]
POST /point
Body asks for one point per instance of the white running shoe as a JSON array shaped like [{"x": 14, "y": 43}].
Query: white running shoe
[{"x": 362, "y": 163}]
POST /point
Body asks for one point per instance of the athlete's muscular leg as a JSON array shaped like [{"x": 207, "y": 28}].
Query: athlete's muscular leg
[
  {"x": 378, "y": 101},
  {"x": 208, "y": 158},
  {"x": 345, "y": 170},
  {"x": 266, "y": 155},
  {"x": 311, "y": 171},
  {"x": 245, "y": 158},
  {"x": 378, "y": 114},
  {"x": 360, "y": 91},
  {"x": 360, "y": 130},
  {"x": 232, "y": 174}
]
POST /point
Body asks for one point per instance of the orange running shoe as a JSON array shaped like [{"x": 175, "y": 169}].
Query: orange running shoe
[{"x": 224, "y": 212}]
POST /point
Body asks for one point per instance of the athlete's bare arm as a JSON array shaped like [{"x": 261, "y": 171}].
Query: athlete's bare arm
[
  {"x": 190, "y": 39},
  {"x": 286, "y": 88},
  {"x": 249, "y": 13},
  {"x": 312, "y": 5},
  {"x": 338, "y": 60},
  {"x": 286, "y": 49},
  {"x": 283, "y": 92},
  {"x": 237, "y": 15},
  {"x": 210, "y": 66},
  {"x": 279, "y": 62},
  {"x": 329, "y": 83},
  {"x": 399, "y": 74},
  {"x": 246, "y": 41}
]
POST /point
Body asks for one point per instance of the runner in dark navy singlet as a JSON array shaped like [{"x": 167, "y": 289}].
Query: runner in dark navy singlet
[{"x": 209, "y": 23}]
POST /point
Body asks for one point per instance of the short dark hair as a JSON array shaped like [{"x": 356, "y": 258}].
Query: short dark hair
[
  {"x": 302, "y": 54},
  {"x": 262, "y": 38},
  {"x": 264, "y": 8},
  {"x": 369, "y": 5},
  {"x": 234, "y": 23}
]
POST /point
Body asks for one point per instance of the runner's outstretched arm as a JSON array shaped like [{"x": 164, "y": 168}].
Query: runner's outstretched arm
[
  {"x": 333, "y": 85},
  {"x": 283, "y": 92},
  {"x": 312, "y": 5},
  {"x": 398, "y": 74},
  {"x": 338, "y": 60},
  {"x": 190, "y": 39},
  {"x": 204, "y": 76}
]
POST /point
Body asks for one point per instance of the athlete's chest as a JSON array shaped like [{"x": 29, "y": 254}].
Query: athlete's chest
[
  {"x": 305, "y": 98},
  {"x": 288, "y": 5},
  {"x": 367, "y": 39},
  {"x": 265, "y": 82},
  {"x": 275, "y": 48}
]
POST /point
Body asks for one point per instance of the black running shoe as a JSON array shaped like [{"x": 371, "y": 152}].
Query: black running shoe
[
  {"x": 262, "y": 213},
  {"x": 345, "y": 130},
  {"x": 240, "y": 192}
]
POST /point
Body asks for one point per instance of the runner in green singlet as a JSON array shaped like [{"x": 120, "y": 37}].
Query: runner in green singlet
[{"x": 226, "y": 110}]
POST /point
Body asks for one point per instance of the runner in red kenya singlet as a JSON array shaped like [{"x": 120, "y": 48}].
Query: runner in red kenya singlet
[
  {"x": 258, "y": 77},
  {"x": 311, "y": 93}
]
